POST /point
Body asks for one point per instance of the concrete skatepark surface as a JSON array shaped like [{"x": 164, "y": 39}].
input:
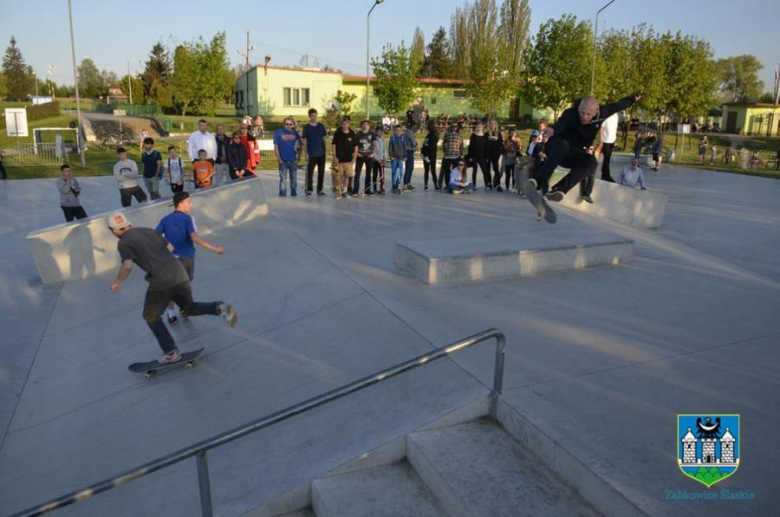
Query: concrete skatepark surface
[{"x": 601, "y": 359}]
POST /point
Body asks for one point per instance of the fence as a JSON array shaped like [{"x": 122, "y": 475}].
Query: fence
[
  {"x": 132, "y": 110},
  {"x": 730, "y": 159},
  {"x": 26, "y": 155}
]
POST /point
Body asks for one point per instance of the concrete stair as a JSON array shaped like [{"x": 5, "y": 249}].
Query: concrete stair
[
  {"x": 472, "y": 469},
  {"x": 386, "y": 491}
]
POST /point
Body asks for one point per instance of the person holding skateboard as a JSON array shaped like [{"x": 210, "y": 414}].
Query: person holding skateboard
[
  {"x": 168, "y": 281},
  {"x": 567, "y": 144},
  {"x": 180, "y": 230}
]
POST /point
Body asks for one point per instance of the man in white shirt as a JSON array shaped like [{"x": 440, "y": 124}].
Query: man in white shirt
[
  {"x": 632, "y": 176},
  {"x": 608, "y": 137},
  {"x": 202, "y": 139}
]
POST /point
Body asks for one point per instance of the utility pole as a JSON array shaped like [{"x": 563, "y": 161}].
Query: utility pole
[
  {"x": 368, "y": 40},
  {"x": 249, "y": 49},
  {"x": 595, "y": 38},
  {"x": 35, "y": 79},
  {"x": 76, "y": 81},
  {"x": 130, "y": 83}
]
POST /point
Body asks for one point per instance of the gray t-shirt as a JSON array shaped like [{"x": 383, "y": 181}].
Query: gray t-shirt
[
  {"x": 67, "y": 196},
  {"x": 149, "y": 250},
  {"x": 126, "y": 173}
]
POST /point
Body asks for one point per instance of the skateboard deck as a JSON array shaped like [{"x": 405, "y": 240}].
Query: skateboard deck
[
  {"x": 150, "y": 368},
  {"x": 543, "y": 210}
]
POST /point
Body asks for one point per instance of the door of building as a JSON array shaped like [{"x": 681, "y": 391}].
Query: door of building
[{"x": 731, "y": 122}]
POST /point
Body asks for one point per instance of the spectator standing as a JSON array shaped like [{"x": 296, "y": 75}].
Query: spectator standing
[
  {"x": 397, "y": 152},
  {"x": 258, "y": 127},
  {"x": 495, "y": 145},
  {"x": 379, "y": 161},
  {"x": 126, "y": 175},
  {"x": 286, "y": 144},
  {"x": 608, "y": 138},
  {"x": 202, "y": 139},
  {"x": 387, "y": 123},
  {"x": 409, "y": 116},
  {"x": 221, "y": 167},
  {"x": 639, "y": 144},
  {"x": 365, "y": 158},
  {"x": 658, "y": 149},
  {"x": 237, "y": 158},
  {"x": 452, "y": 147},
  {"x": 429, "y": 151},
  {"x": 410, "y": 139},
  {"x": 703, "y": 144},
  {"x": 632, "y": 176},
  {"x": 202, "y": 170},
  {"x": 69, "y": 195},
  {"x": 713, "y": 155},
  {"x": 152, "y": 161},
  {"x": 252, "y": 148},
  {"x": 345, "y": 147},
  {"x": 314, "y": 134},
  {"x": 2, "y": 167},
  {"x": 174, "y": 170},
  {"x": 509, "y": 155},
  {"x": 478, "y": 156}
]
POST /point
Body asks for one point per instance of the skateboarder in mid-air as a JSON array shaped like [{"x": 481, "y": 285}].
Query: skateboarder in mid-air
[
  {"x": 568, "y": 141},
  {"x": 168, "y": 281}
]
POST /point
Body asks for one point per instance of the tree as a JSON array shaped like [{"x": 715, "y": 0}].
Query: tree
[
  {"x": 3, "y": 90},
  {"x": 91, "y": 83},
  {"x": 396, "y": 78},
  {"x": 460, "y": 39},
  {"x": 157, "y": 75},
  {"x": 513, "y": 33},
  {"x": 438, "y": 58},
  {"x": 131, "y": 84},
  {"x": 738, "y": 77},
  {"x": 558, "y": 64},
  {"x": 192, "y": 88},
  {"x": 342, "y": 107},
  {"x": 417, "y": 51},
  {"x": 16, "y": 74},
  {"x": 185, "y": 78},
  {"x": 690, "y": 73}
]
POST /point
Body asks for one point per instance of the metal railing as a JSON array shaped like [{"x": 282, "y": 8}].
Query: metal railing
[
  {"x": 26, "y": 155},
  {"x": 200, "y": 449}
]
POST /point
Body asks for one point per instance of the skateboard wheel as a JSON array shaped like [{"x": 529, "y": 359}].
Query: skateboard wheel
[
  {"x": 188, "y": 366},
  {"x": 147, "y": 375}
]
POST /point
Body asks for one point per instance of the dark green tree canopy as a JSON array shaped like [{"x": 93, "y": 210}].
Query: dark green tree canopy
[{"x": 17, "y": 79}]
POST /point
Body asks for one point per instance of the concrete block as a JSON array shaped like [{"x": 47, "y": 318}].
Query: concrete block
[
  {"x": 468, "y": 259},
  {"x": 388, "y": 491},
  {"x": 79, "y": 250},
  {"x": 477, "y": 469},
  {"x": 634, "y": 207}
]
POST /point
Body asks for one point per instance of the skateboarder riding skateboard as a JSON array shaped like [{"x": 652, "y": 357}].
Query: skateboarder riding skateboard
[
  {"x": 568, "y": 141},
  {"x": 168, "y": 281}
]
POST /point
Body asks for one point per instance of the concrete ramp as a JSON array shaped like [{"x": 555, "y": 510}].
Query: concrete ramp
[
  {"x": 634, "y": 207},
  {"x": 469, "y": 259},
  {"x": 79, "y": 250}
]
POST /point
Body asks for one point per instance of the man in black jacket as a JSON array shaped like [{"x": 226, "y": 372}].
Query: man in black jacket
[{"x": 568, "y": 141}]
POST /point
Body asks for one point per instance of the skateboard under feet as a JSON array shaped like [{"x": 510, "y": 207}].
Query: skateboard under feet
[{"x": 151, "y": 368}]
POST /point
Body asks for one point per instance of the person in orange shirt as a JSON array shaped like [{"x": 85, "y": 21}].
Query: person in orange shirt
[
  {"x": 252, "y": 148},
  {"x": 203, "y": 170}
]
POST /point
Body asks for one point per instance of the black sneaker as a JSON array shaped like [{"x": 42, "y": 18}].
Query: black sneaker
[
  {"x": 499, "y": 189},
  {"x": 587, "y": 199},
  {"x": 608, "y": 179},
  {"x": 554, "y": 195},
  {"x": 308, "y": 193},
  {"x": 320, "y": 193}
]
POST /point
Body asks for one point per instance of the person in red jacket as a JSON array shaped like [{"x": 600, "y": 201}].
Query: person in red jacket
[{"x": 252, "y": 148}]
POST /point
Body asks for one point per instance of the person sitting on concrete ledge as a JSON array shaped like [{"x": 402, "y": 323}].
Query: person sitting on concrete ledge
[
  {"x": 632, "y": 176},
  {"x": 459, "y": 179}
]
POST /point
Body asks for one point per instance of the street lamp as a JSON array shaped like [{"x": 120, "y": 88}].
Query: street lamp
[
  {"x": 595, "y": 37},
  {"x": 76, "y": 85},
  {"x": 368, "y": 30}
]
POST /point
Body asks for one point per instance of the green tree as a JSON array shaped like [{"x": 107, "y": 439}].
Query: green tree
[
  {"x": 3, "y": 89},
  {"x": 558, "y": 64},
  {"x": 132, "y": 84},
  {"x": 417, "y": 51},
  {"x": 738, "y": 77},
  {"x": 438, "y": 58},
  {"x": 186, "y": 78},
  {"x": 18, "y": 80},
  {"x": 156, "y": 77},
  {"x": 460, "y": 40},
  {"x": 690, "y": 74},
  {"x": 396, "y": 78},
  {"x": 513, "y": 33},
  {"x": 342, "y": 106},
  {"x": 91, "y": 82},
  {"x": 193, "y": 89}
]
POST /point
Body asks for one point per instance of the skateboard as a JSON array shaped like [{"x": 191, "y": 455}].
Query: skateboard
[
  {"x": 151, "y": 368},
  {"x": 543, "y": 210}
]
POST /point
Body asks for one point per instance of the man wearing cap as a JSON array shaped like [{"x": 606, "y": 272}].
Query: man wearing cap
[
  {"x": 168, "y": 281},
  {"x": 345, "y": 149},
  {"x": 126, "y": 174}
]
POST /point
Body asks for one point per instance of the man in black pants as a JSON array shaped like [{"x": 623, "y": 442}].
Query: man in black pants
[
  {"x": 168, "y": 281},
  {"x": 313, "y": 136},
  {"x": 568, "y": 142}
]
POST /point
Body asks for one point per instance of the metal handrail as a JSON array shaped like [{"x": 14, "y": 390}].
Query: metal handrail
[{"x": 199, "y": 449}]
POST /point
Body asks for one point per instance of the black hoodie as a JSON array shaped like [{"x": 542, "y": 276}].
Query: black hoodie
[{"x": 570, "y": 128}]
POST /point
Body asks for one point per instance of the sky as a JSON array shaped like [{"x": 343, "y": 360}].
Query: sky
[{"x": 333, "y": 32}]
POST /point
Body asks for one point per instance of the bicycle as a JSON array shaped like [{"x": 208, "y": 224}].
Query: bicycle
[{"x": 114, "y": 141}]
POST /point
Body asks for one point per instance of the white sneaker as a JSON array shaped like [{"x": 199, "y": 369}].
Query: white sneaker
[
  {"x": 226, "y": 311},
  {"x": 170, "y": 357}
]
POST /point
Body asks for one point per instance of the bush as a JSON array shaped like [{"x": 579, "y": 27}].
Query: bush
[{"x": 41, "y": 111}]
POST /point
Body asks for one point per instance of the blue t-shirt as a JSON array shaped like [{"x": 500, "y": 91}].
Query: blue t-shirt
[
  {"x": 287, "y": 140},
  {"x": 150, "y": 163},
  {"x": 314, "y": 136},
  {"x": 178, "y": 228}
]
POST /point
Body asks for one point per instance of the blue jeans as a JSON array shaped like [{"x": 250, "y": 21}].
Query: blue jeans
[
  {"x": 397, "y": 167},
  {"x": 409, "y": 166},
  {"x": 292, "y": 168}
]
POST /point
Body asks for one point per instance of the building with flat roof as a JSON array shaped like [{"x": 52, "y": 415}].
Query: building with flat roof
[{"x": 751, "y": 118}]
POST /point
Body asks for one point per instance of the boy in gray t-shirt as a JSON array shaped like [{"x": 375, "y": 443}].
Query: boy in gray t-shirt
[
  {"x": 126, "y": 174},
  {"x": 70, "y": 189}
]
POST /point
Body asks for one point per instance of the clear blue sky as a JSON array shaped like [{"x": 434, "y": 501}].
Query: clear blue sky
[{"x": 334, "y": 31}]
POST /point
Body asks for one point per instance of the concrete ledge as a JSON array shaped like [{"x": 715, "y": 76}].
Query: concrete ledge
[
  {"x": 468, "y": 259},
  {"x": 75, "y": 251},
  {"x": 634, "y": 207}
]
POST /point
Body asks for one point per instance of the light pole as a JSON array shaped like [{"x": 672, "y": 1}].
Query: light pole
[
  {"x": 595, "y": 37},
  {"x": 76, "y": 85},
  {"x": 368, "y": 77}
]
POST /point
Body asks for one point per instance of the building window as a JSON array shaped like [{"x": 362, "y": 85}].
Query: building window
[
  {"x": 459, "y": 93},
  {"x": 296, "y": 96}
]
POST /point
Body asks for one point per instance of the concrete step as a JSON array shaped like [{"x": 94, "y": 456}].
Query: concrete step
[
  {"x": 536, "y": 250},
  {"x": 477, "y": 469},
  {"x": 305, "y": 512},
  {"x": 388, "y": 491}
]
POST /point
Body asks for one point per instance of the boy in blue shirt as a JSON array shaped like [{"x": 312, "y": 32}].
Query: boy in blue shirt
[
  {"x": 180, "y": 230},
  {"x": 287, "y": 141}
]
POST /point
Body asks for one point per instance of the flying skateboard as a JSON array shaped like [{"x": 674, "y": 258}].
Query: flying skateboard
[
  {"x": 151, "y": 368},
  {"x": 543, "y": 210}
]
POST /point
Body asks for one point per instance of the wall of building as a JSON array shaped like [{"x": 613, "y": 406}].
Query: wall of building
[
  {"x": 749, "y": 119},
  {"x": 266, "y": 91}
]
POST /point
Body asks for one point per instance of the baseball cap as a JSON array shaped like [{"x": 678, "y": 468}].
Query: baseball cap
[
  {"x": 535, "y": 132},
  {"x": 117, "y": 221}
]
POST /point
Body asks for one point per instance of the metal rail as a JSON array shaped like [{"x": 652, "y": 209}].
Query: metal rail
[{"x": 199, "y": 450}]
